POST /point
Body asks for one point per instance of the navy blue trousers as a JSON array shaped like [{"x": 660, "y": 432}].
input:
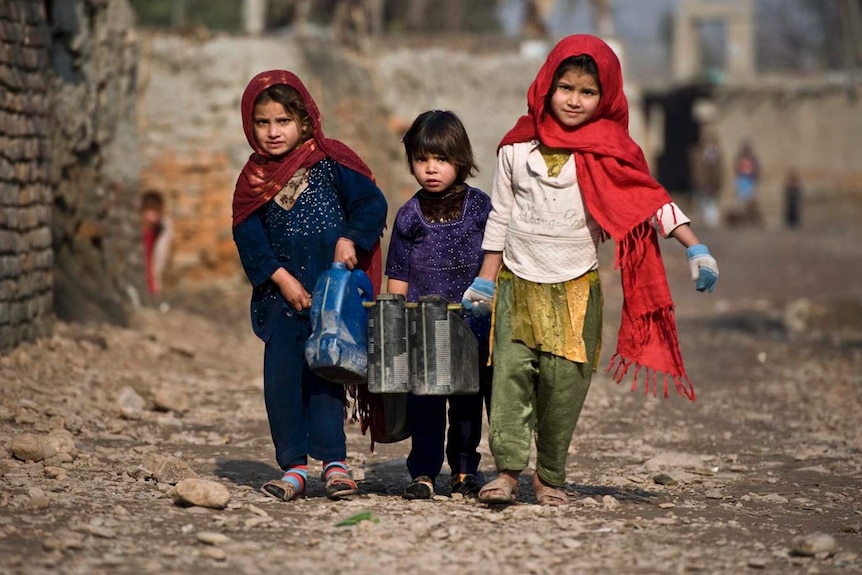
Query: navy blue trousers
[
  {"x": 427, "y": 417},
  {"x": 306, "y": 412}
]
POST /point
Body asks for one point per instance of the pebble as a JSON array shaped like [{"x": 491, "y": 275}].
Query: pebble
[
  {"x": 30, "y": 447},
  {"x": 201, "y": 493},
  {"x": 52, "y": 472},
  {"x": 212, "y": 538},
  {"x": 129, "y": 403},
  {"x": 813, "y": 544},
  {"x": 171, "y": 398},
  {"x": 167, "y": 469},
  {"x": 664, "y": 479},
  {"x": 214, "y": 553}
]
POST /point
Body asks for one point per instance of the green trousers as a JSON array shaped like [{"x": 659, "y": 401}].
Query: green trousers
[{"x": 535, "y": 390}]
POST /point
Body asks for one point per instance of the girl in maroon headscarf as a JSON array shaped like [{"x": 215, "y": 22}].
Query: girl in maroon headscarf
[
  {"x": 568, "y": 177},
  {"x": 301, "y": 202}
]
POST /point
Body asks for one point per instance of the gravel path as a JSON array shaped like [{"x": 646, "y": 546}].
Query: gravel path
[{"x": 99, "y": 425}]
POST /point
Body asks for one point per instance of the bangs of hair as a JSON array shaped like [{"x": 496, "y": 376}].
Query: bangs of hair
[
  {"x": 440, "y": 133},
  {"x": 293, "y": 105}
]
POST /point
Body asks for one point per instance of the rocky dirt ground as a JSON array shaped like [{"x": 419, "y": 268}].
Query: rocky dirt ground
[{"x": 99, "y": 425}]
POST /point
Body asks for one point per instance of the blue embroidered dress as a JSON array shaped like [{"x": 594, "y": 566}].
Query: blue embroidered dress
[
  {"x": 305, "y": 412},
  {"x": 440, "y": 258}
]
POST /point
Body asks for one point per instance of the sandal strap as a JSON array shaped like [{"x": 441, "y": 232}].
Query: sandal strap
[{"x": 340, "y": 478}]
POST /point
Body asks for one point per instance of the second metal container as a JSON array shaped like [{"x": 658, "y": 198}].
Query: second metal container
[{"x": 444, "y": 353}]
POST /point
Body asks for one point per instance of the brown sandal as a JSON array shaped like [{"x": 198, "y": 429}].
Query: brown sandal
[
  {"x": 548, "y": 495},
  {"x": 282, "y": 490},
  {"x": 503, "y": 490},
  {"x": 340, "y": 485}
]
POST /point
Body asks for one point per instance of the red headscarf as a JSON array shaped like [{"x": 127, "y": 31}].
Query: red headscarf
[
  {"x": 622, "y": 197},
  {"x": 263, "y": 175}
]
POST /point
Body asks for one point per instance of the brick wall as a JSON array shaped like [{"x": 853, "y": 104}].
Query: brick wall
[
  {"x": 69, "y": 228},
  {"x": 25, "y": 190}
]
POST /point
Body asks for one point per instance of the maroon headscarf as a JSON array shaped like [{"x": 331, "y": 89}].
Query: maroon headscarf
[
  {"x": 263, "y": 175},
  {"x": 622, "y": 197}
]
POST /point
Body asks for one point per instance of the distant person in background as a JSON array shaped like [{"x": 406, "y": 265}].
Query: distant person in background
[
  {"x": 706, "y": 164},
  {"x": 746, "y": 169},
  {"x": 436, "y": 249},
  {"x": 792, "y": 199},
  {"x": 157, "y": 236}
]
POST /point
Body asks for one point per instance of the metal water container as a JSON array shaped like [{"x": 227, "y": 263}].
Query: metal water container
[
  {"x": 388, "y": 349},
  {"x": 444, "y": 353}
]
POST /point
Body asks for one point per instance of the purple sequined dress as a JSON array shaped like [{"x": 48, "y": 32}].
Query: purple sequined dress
[{"x": 440, "y": 258}]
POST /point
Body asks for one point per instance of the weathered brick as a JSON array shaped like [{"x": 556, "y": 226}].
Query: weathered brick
[
  {"x": 7, "y": 289},
  {"x": 9, "y": 242},
  {"x": 10, "y": 266},
  {"x": 17, "y": 312},
  {"x": 43, "y": 259},
  {"x": 8, "y": 336}
]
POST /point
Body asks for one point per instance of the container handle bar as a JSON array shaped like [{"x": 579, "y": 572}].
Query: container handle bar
[{"x": 412, "y": 304}]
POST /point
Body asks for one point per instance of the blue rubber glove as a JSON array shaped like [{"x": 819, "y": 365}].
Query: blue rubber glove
[
  {"x": 479, "y": 296},
  {"x": 704, "y": 268}
]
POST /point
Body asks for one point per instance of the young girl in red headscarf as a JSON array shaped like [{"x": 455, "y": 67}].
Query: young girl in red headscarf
[
  {"x": 568, "y": 177},
  {"x": 301, "y": 202}
]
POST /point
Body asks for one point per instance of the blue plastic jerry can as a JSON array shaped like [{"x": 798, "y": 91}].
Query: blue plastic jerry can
[{"x": 337, "y": 347}]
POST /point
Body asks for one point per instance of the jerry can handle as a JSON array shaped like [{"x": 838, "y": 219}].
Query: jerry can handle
[
  {"x": 413, "y": 305},
  {"x": 363, "y": 282}
]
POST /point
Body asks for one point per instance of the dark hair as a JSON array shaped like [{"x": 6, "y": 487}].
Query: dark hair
[
  {"x": 293, "y": 105},
  {"x": 580, "y": 63},
  {"x": 441, "y": 133},
  {"x": 152, "y": 200}
]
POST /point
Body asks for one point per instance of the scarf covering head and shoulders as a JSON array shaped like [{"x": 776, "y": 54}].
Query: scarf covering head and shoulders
[
  {"x": 264, "y": 175},
  {"x": 622, "y": 197}
]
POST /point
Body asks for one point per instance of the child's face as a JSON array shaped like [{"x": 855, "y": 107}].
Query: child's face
[
  {"x": 575, "y": 99},
  {"x": 275, "y": 130},
  {"x": 434, "y": 173},
  {"x": 152, "y": 216}
]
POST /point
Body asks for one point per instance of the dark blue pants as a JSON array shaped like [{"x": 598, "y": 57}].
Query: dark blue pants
[
  {"x": 427, "y": 417},
  {"x": 306, "y": 412}
]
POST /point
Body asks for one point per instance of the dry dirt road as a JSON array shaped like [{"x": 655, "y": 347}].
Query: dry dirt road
[{"x": 760, "y": 475}]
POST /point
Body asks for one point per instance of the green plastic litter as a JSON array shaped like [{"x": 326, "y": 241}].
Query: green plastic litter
[{"x": 357, "y": 519}]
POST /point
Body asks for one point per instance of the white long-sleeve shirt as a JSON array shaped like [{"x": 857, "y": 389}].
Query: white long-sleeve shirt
[{"x": 539, "y": 222}]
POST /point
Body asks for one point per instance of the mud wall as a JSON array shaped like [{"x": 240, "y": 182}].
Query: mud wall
[
  {"x": 814, "y": 126},
  {"x": 25, "y": 190}
]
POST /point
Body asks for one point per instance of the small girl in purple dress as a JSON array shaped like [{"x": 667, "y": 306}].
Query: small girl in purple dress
[{"x": 436, "y": 249}]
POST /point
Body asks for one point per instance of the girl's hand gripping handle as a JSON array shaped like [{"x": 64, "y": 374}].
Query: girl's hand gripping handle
[{"x": 479, "y": 296}]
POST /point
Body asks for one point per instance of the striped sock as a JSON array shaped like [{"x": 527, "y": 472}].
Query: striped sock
[
  {"x": 296, "y": 475},
  {"x": 330, "y": 467}
]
